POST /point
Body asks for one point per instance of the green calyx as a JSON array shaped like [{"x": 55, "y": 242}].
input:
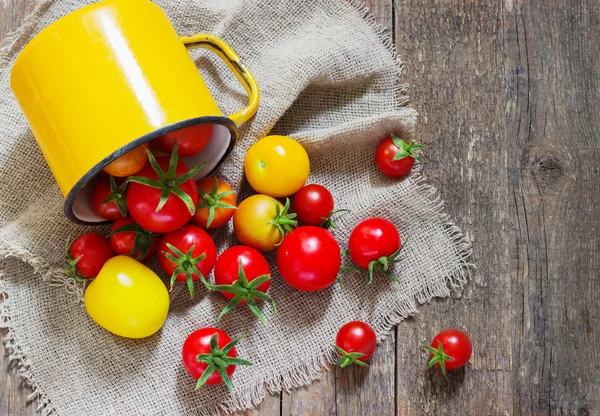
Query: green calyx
[
  {"x": 218, "y": 360},
  {"x": 439, "y": 356},
  {"x": 167, "y": 182},
  {"x": 71, "y": 269},
  {"x": 349, "y": 358},
  {"x": 212, "y": 201},
  {"x": 142, "y": 242},
  {"x": 406, "y": 149},
  {"x": 186, "y": 263},
  {"x": 244, "y": 291},
  {"x": 283, "y": 221},
  {"x": 117, "y": 195},
  {"x": 328, "y": 222},
  {"x": 385, "y": 263}
]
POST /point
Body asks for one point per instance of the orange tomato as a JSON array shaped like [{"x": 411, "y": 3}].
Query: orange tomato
[
  {"x": 128, "y": 164},
  {"x": 216, "y": 203}
]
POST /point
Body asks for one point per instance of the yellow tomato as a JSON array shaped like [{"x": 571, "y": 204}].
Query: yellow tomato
[
  {"x": 277, "y": 166},
  {"x": 127, "y": 298},
  {"x": 261, "y": 222}
]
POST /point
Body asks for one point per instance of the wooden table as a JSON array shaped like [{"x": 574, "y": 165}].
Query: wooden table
[{"x": 509, "y": 97}]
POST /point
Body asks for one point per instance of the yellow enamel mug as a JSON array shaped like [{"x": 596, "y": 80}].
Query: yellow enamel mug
[{"x": 111, "y": 76}]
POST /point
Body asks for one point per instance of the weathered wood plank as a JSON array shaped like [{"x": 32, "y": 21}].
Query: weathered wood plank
[{"x": 508, "y": 92}]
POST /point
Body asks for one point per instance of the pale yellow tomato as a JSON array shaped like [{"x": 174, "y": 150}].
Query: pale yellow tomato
[
  {"x": 277, "y": 166},
  {"x": 127, "y": 298}
]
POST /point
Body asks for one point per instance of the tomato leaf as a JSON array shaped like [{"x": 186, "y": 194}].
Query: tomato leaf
[
  {"x": 349, "y": 358},
  {"x": 406, "y": 149}
]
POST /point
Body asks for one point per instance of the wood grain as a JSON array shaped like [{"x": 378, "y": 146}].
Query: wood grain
[{"x": 508, "y": 93}]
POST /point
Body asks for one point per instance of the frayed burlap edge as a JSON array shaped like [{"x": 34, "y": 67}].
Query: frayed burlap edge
[{"x": 297, "y": 377}]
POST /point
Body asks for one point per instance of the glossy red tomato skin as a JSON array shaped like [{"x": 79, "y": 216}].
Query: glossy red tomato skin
[
  {"x": 309, "y": 258},
  {"x": 198, "y": 342},
  {"x": 183, "y": 239},
  {"x": 100, "y": 192},
  {"x": 384, "y": 155},
  {"x": 142, "y": 200},
  {"x": 190, "y": 140},
  {"x": 313, "y": 203},
  {"x": 94, "y": 250},
  {"x": 357, "y": 336},
  {"x": 371, "y": 239},
  {"x": 457, "y": 345},
  {"x": 253, "y": 263},
  {"x": 123, "y": 243}
]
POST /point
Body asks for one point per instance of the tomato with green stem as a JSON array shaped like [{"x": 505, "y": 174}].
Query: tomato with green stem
[
  {"x": 261, "y": 222},
  {"x": 216, "y": 203},
  {"x": 210, "y": 357},
  {"x": 355, "y": 342},
  {"x": 450, "y": 350},
  {"x": 163, "y": 195},
  {"x": 108, "y": 199},
  {"x": 130, "y": 239},
  {"x": 375, "y": 244},
  {"x": 187, "y": 254},
  {"x": 314, "y": 205},
  {"x": 395, "y": 157},
  {"x": 86, "y": 255},
  {"x": 243, "y": 276}
]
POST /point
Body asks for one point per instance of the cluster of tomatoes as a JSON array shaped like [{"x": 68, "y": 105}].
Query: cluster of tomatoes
[{"x": 158, "y": 208}]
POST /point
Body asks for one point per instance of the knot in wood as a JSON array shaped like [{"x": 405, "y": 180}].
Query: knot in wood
[{"x": 548, "y": 169}]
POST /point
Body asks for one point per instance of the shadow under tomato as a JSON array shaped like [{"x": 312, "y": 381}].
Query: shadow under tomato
[
  {"x": 444, "y": 386},
  {"x": 188, "y": 394}
]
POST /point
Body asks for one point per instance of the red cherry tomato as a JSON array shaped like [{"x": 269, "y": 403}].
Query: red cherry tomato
[
  {"x": 199, "y": 342},
  {"x": 309, "y": 258},
  {"x": 450, "y": 349},
  {"x": 313, "y": 204},
  {"x": 247, "y": 267},
  {"x": 87, "y": 255},
  {"x": 143, "y": 200},
  {"x": 133, "y": 240},
  {"x": 395, "y": 157},
  {"x": 355, "y": 342},
  {"x": 371, "y": 240},
  {"x": 191, "y": 140},
  {"x": 106, "y": 189},
  {"x": 186, "y": 253}
]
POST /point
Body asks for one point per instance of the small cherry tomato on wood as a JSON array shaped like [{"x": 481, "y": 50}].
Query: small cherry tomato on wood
[
  {"x": 163, "y": 196},
  {"x": 277, "y": 166},
  {"x": 450, "y": 349},
  {"x": 309, "y": 258},
  {"x": 247, "y": 267},
  {"x": 216, "y": 203},
  {"x": 187, "y": 254},
  {"x": 108, "y": 199},
  {"x": 209, "y": 355},
  {"x": 261, "y": 222},
  {"x": 191, "y": 140},
  {"x": 87, "y": 255},
  {"x": 314, "y": 205},
  {"x": 355, "y": 342},
  {"x": 130, "y": 239},
  {"x": 395, "y": 157},
  {"x": 375, "y": 245},
  {"x": 128, "y": 164}
]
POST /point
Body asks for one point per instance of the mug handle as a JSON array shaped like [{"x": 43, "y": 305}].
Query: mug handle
[{"x": 233, "y": 61}]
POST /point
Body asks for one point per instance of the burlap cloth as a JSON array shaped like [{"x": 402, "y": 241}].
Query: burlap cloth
[{"x": 328, "y": 77}]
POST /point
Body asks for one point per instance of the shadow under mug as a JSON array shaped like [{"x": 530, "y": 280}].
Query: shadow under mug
[{"x": 111, "y": 76}]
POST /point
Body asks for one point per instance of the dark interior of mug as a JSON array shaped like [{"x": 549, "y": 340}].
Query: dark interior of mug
[{"x": 77, "y": 205}]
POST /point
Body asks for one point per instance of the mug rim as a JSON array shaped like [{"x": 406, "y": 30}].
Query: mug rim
[{"x": 96, "y": 169}]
